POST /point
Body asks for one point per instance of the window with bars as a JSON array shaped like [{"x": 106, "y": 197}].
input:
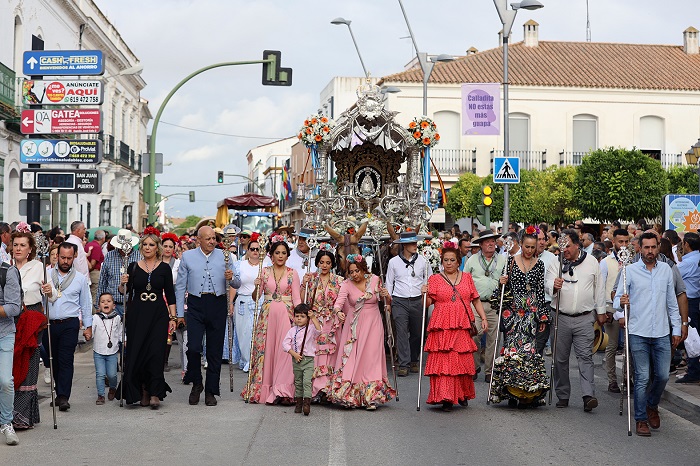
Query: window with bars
[{"x": 105, "y": 212}]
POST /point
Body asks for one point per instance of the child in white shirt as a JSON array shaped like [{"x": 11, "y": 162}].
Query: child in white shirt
[{"x": 106, "y": 335}]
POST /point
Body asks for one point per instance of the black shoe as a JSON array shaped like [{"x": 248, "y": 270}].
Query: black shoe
[
  {"x": 589, "y": 402},
  {"x": 63, "y": 404},
  {"x": 209, "y": 399},
  {"x": 476, "y": 374},
  {"x": 563, "y": 404},
  {"x": 464, "y": 402},
  {"x": 446, "y": 406},
  {"x": 613, "y": 387},
  {"x": 487, "y": 378},
  {"x": 197, "y": 390},
  {"x": 686, "y": 379},
  {"x": 512, "y": 403}
]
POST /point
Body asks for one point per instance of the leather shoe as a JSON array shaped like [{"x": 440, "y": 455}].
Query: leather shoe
[
  {"x": 402, "y": 372},
  {"x": 62, "y": 403},
  {"x": 643, "y": 429},
  {"x": 209, "y": 399},
  {"x": 306, "y": 406},
  {"x": 653, "y": 416},
  {"x": 414, "y": 367},
  {"x": 110, "y": 395},
  {"x": 197, "y": 390},
  {"x": 487, "y": 378},
  {"x": 589, "y": 402},
  {"x": 613, "y": 387},
  {"x": 563, "y": 403},
  {"x": 686, "y": 379},
  {"x": 299, "y": 403}
]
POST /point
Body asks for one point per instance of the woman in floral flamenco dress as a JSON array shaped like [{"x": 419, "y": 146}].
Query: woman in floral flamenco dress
[
  {"x": 360, "y": 377},
  {"x": 272, "y": 379},
  {"x": 519, "y": 375},
  {"x": 450, "y": 363}
]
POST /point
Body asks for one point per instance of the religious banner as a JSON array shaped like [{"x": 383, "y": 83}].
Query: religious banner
[{"x": 481, "y": 108}]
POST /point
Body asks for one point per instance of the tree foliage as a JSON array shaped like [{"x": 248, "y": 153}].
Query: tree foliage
[
  {"x": 552, "y": 196},
  {"x": 190, "y": 221},
  {"x": 613, "y": 184},
  {"x": 683, "y": 179},
  {"x": 460, "y": 200}
]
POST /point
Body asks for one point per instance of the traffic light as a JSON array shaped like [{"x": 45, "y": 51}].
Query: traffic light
[
  {"x": 191, "y": 196},
  {"x": 272, "y": 74},
  {"x": 156, "y": 185},
  {"x": 220, "y": 177},
  {"x": 484, "y": 209}
]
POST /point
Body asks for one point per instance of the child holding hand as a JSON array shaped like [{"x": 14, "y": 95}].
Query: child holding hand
[{"x": 300, "y": 343}]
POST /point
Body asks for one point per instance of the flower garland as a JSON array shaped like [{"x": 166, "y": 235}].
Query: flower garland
[
  {"x": 150, "y": 231},
  {"x": 23, "y": 227},
  {"x": 430, "y": 249},
  {"x": 532, "y": 230},
  {"x": 171, "y": 236},
  {"x": 316, "y": 130},
  {"x": 356, "y": 258},
  {"x": 424, "y": 131}
]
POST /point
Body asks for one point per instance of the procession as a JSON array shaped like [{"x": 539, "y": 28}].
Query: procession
[{"x": 490, "y": 256}]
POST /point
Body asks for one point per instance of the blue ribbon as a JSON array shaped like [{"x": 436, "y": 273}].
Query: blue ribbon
[
  {"x": 426, "y": 174},
  {"x": 314, "y": 156}
]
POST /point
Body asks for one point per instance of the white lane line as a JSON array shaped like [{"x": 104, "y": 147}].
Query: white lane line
[{"x": 337, "y": 455}]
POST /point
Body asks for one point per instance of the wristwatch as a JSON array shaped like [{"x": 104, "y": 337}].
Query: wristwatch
[{"x": 684, "y": 324}]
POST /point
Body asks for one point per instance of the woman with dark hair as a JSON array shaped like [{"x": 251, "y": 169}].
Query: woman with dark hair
[
  {"x": 360, "y": 377},
  {"x": 272, "y": 380},
  {"x": 169, "y": 243},
  {"x": 30, "y": 324},
  {"x": 323, "y": 287},
  {"x": 246, "y": 270},
  {"x": 666, "y": 249},
  {"x": 450, "y": 348},
  {"x": 519, "y": 375},
  {"x": 149, "y": 319}
]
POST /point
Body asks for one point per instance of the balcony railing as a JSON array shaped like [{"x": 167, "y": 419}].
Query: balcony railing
[
  {"x": 7, "y": 92},
  {"x": 529, "y": 159},
  {"x": 574, "y": 158},
  {"x": 453, "y": 161}
]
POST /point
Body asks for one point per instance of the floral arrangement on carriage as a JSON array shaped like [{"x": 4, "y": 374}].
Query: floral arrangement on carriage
[
  {"x": 315, "y": 131},
  {"x": 425, "y": 135}
]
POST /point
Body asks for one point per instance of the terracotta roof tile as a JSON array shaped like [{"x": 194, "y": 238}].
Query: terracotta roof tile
[{"x": 572, "y": 64}]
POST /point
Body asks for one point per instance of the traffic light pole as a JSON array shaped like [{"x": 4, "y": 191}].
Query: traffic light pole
[{"x": 151, "y": 194}]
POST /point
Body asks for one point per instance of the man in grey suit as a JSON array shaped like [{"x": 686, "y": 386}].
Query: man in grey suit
[{"x": 203, "y": 274}]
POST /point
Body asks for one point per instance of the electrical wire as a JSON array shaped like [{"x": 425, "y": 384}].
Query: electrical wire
[{"x": 222, "y": 134}]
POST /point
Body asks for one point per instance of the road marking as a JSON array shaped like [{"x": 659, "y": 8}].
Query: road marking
[{"x": 336, "y": 442}]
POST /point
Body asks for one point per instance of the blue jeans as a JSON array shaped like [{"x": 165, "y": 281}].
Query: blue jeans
[
  {"x": 7, "y": 385},
  {"x": 105, "y": 365},
  {"x": 646, "y": 350}
]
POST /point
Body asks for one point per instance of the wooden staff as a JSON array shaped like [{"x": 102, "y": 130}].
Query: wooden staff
[
  {"x": 507, "y": 245},
  {"x": 42, "y": 250},
  {"x": 563, "y": 242},
  {"x": 262, "y": 241}
]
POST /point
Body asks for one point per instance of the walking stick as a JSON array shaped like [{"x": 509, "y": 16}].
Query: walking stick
[
  {"x": 42, "y": 250},
  {"x": 262, "y": 241},
  {"x": 507, "y": 246},
  {"x": 229, "y": 234},
  {"x": 126, "y": 248},
  {"x": 312, "y": 242},
  {"x": 563, "y": 242},
  {"x": 387, "y": 318},
  {"x": 624, "y": 256}
]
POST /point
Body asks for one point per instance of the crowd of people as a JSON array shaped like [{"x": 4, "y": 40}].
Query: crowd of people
[{"x": 306, "y": 325}]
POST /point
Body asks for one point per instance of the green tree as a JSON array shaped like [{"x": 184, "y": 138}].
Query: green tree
[
  {"x": 552, "y": 196},
  {"x": 683, "y": 179},
  {"x": 190, "y": 221},
  {"x": 460, "y": 199},
  {"x": 522, "y": 208},
  {"x": 623, "y": 184}
]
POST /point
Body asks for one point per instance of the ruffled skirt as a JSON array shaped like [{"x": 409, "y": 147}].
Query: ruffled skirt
[{"x": 521, "y": 377}]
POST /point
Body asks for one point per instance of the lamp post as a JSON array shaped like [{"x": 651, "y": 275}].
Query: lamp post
[
  {"x": 338, "y": 21},
  {"x": 426, "y": 64},
  {"x": 507, "y": 19},
  {"x": 693, "y": 157}
]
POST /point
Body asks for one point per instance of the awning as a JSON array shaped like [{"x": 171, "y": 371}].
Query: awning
[{"x": 248, "y": 200}]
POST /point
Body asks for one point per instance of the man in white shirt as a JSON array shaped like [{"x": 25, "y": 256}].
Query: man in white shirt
[
  {"x": 77, "y": 233},
  {"x": 5, "y": 238},
  {"x": 406, "y": 274},
  {"x": 547, "y": 258},
  {"x": 581, "y": 296},
  {"x": 299, "y": 258}
]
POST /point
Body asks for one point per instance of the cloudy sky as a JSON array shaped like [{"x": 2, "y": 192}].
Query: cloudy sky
[{"x": 172, "y": 38}]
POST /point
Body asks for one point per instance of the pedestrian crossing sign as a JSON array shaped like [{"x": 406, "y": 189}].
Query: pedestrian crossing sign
[{"x": 506, "y": 170}]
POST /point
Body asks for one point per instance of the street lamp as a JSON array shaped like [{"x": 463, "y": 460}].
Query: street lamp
[
  {"x": 507, "y": 19},
  {"x": 693, "y": 157},
  {"x": 426, "y": 64},
  {"x": 339, "y": 21}
]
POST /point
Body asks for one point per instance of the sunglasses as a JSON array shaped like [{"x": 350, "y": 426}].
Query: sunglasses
[
  {"x": 244, "y": 236},
  {"x": 254, "y": 249}
]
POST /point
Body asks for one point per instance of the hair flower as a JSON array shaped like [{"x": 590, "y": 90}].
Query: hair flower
[
  {"x": 23, "y": 227},
  {"x": 151, "y": 231}
]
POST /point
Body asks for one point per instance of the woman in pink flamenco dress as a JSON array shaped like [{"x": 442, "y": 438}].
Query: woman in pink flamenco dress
[
  {"x": 360, "y": 377},
  {"x": 450, "y": 363},
  {"x": 272, "y": 379}
]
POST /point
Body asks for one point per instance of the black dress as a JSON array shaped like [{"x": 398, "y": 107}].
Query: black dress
[{"x": 146, "y": 332}]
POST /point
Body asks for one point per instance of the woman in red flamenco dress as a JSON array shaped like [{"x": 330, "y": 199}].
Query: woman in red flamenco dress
[{"x": 450, "y": 364}]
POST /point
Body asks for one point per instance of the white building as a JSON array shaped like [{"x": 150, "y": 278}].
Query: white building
[
  {"x": 265, "y": 165},
  {"x": 73, "y": 25},
  {"x": 566, "y": 98}
]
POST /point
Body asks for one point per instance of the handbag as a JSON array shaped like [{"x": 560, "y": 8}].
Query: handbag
[
  {"x": 472, "y": 323},
  {"x": 692, "y": 343},
  {"x": 508, "y": 298}
]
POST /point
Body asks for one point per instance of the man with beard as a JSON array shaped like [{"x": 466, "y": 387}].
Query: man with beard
[
  {"x": 652, "y": 303},
  {"x": 69, "y": 294}
]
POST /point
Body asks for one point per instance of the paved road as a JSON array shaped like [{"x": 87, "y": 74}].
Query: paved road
[{"x": 237, "y": 433}]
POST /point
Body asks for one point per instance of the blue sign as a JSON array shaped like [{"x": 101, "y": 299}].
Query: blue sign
[
  {"x": 60, "y": 151},
  {"x": 63, "y": 63},
  {"x": 681, "y": 212},
  {"x": 506, "y": 170}
]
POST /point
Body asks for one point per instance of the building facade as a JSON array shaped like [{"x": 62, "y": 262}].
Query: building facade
[{"x": 75, "y": 25}]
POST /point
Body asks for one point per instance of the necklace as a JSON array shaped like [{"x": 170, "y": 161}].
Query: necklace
[
  {"x": 486, "y": 266},
  {"x": 277, "y": 283},
  {"x": 109, "y": 335},
  {"x": 527, "y": 271},
  {"x": 149, "y": 271},
  {"x": 453, "y": 285}
]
